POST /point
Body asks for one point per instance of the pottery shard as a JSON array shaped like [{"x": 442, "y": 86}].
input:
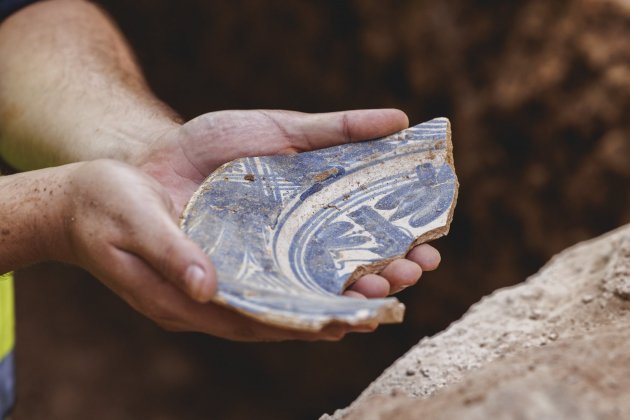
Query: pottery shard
[{"x": 288, "y": 234}]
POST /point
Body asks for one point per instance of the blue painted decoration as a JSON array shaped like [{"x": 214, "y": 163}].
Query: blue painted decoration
[{"x": 286, "y": 233}]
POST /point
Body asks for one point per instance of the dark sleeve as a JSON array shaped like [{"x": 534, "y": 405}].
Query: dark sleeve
[{"x": 11, "y": 6}]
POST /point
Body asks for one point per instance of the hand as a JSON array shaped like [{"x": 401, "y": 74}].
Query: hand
[
  {"x": 121, "y": 225},
  {"x": 182, "y": 158},
  {"x": 133, "y": 228}
]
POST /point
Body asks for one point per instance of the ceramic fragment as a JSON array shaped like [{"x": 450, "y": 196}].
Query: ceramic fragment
[{"x": 288, "y": 234}]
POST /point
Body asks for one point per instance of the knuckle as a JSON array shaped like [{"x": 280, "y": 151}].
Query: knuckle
[
  {"x": 165, "y": 258},
  {"x": 345, "y": 127}
]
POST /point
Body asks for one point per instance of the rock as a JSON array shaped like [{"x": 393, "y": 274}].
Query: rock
[{"x": 492, "y": 363}]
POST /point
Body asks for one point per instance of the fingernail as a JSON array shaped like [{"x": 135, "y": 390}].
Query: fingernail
[{"x": 195, "y": 279}]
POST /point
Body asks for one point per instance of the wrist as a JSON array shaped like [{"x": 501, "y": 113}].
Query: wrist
[
  {"x": 33, "y": 203},
  {"x": 55, "y": 204},
  {"x": 143, "y": 143}
]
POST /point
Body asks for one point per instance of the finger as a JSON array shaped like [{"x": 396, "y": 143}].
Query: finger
[
  {"x": 371, "y": 286},
  {"x": 166, "y": 248},
  {"x": 401, "y": 273},
  {"x": 139, "y": 284},
  {"x": 427, "y": 257},
  {"x": 235, "y": 134},
  {"x": 315, "y": 131},
  {"x": 146, "y": 291},
  {"x": 223, "y": 322},
  {"x": 354, "y": 294}
]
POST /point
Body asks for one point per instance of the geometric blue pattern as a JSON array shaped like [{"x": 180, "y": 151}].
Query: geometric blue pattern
[{"x": 286, "y": 232}]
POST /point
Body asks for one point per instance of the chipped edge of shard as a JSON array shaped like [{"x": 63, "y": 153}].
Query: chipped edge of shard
[{"x": 390, "y": 311}]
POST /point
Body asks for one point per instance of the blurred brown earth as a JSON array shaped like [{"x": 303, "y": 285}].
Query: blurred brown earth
[{"x": 538, "y": 94}]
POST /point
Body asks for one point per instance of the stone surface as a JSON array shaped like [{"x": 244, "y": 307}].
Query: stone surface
[
  {"x": 288, "y": 234},
  {"x": 556, "y": 346}
]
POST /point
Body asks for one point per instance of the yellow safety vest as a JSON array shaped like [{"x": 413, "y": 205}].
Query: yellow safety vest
[
  {"x": 7, "y": 322},
  {"x": 7, "y": 341}
]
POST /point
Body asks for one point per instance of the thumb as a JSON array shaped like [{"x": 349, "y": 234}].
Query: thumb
[
  {"x": 238, "y": 134},
  {"x": 315, "y": 131},
  {"x": 178, "y": 259}
]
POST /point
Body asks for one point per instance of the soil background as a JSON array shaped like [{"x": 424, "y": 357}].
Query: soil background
[{"x": 538, "y": 94}]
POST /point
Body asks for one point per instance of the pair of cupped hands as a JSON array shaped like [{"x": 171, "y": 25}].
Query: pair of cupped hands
[{"x": 133, "y": 209}]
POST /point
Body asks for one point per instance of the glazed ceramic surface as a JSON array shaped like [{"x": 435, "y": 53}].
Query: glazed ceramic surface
[{"x": 286, "y": 233}]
